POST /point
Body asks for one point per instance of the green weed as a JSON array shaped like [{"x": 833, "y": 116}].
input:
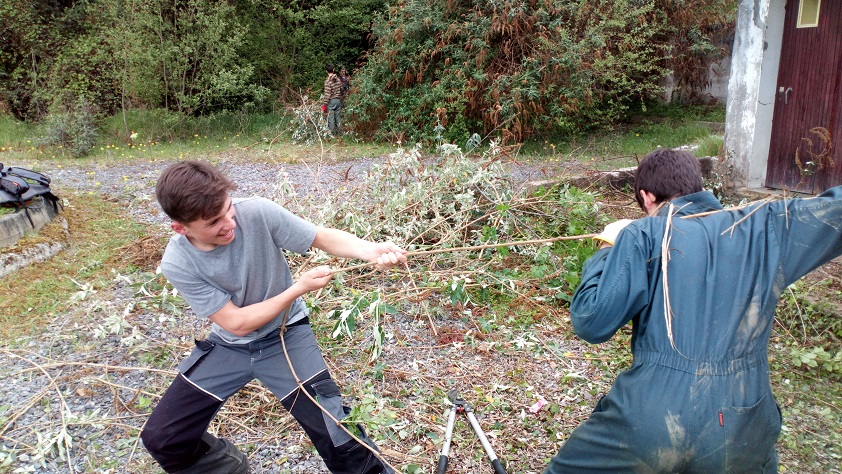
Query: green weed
[
  {"x": 73, "y": 129},
  {"x": 15, "y": 135},
  {"x": 806, "y": 371}
]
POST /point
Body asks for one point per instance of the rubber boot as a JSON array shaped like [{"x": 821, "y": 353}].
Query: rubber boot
[{"x": 222, "y": 458}]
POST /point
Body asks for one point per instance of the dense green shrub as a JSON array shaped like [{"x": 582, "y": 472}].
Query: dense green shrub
[
  {"x": 513, "y": 68},
  {"x": 189, "y": 56},
  {"x": 289, "y": 43},
  {"x": 31, "y": 32},
  {"x": 73, "y": 128},
  {"x": 84, "y": 70},
  {"x": 491, "y": 67},
  {"x": 182, "y": 55}
]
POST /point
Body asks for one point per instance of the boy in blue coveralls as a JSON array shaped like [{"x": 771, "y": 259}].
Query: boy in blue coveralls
[
  {"x": 697, "y": 398},
  {"x": 226, "y": 260}
]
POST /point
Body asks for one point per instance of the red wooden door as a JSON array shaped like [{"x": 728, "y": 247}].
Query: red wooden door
[{"x": 807, "y": 121}]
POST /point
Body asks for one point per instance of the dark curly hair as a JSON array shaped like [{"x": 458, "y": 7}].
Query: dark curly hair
[{"x": 667, "y": 174}]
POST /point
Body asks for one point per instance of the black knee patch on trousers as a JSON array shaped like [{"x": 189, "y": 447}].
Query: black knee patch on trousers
[
  {"x": 173, "y": 433},
  {"x": 340, "y": 452}
]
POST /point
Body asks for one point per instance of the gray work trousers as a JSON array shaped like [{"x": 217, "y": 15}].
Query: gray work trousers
[{"x": 176, "y": 432}]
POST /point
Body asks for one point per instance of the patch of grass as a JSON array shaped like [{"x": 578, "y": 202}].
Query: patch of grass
[
  {"x": 660, "y": 127},
  {"x": 153, "y": 135},
  {"x": 679, "y": 112},
  {"x": 711, "y": 145},
  {"x": 34, "y": 294},
  {"x": 162, "y": 126},
  {"x": 15, "y": 135}
]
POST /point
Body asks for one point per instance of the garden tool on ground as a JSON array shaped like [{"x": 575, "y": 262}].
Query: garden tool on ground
[{"x": 461, "y": 406}]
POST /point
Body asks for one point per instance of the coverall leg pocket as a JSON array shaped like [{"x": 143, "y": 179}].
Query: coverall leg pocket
[{"x": 750, "y": 436}]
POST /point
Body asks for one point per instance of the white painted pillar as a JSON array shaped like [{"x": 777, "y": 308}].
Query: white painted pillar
[{"x": 752, "y": 88}]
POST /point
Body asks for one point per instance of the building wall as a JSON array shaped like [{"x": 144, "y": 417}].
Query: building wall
[
  {"x": 716, "y": 90},
  {"x": 718, "y": 75}
]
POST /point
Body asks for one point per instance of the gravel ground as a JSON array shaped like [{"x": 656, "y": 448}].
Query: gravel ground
[
  {"x": 90, "y": 380},
  {"x": 98, "y": 367}
]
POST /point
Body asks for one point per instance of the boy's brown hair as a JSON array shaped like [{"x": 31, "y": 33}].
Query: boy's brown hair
[
  {"x": 667, "y": 174},
  {"x": 192, "y": 190}
]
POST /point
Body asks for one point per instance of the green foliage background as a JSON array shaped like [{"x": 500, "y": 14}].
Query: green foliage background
[
  {"x": 502, "y": 67},
  {"x": 515, "y": 68},
  {"x": 190, "y": 56}
]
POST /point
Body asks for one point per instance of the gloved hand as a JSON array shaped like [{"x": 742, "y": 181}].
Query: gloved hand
[
  {"x": 612, "y": 230},
  {"x": 324, "y": 108}
]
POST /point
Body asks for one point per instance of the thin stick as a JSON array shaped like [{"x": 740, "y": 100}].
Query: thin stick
[
  {"x": 93, "y": 364},
  {"x": 427, "y": 313},
  {"x": 737, "y": 208},
  {"x": 62, "y": 407},
  {"x": 32, "y": 401},
  {"x": 734, "y": 227},
  {"x": 665, "y": 256},
  {"x": 538, "y": 241}
]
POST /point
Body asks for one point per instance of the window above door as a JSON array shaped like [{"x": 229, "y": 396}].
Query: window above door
[{"x": 808, "y": 13}]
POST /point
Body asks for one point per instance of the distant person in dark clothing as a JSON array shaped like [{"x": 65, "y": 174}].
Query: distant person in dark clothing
[{"x": 346, "y": 84}]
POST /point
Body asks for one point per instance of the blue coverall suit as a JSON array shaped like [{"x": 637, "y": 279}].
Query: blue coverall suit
[{"x": 704, "y": 405}]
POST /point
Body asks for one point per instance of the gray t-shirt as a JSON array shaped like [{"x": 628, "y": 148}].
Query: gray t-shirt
[{"x": 251, "y": 269}]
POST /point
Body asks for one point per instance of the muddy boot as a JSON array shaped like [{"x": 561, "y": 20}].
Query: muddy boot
[{"x": 222, "y": 458}]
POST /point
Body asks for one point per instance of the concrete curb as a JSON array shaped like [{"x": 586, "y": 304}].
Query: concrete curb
[
  {"x": 16, "y": 225},
  {"x": 11, "y": 261}
]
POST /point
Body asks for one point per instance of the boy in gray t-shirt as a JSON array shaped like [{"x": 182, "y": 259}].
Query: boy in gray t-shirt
[{"x": 227, "y": 262}]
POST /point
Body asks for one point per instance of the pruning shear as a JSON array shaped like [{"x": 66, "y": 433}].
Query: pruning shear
[{"x": 461, "y": 406}]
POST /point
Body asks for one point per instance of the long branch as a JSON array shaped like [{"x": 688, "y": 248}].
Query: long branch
[{"x": 475, "y": 247}]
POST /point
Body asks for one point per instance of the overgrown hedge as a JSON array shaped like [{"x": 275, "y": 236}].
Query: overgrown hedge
[
  {"x": 502, "y": 67},
  {"x": 189, "y": 56},
  {"x": 513, "y": 68}
]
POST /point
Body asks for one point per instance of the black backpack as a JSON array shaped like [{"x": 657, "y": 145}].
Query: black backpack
[{"x": 19, "y": 185}]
